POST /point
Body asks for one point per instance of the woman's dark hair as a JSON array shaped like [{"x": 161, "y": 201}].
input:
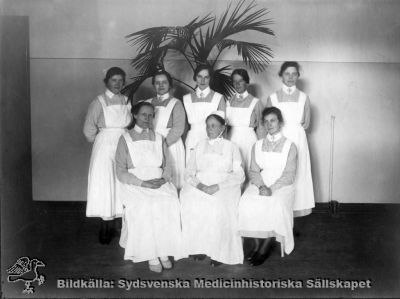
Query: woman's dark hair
[
  {"x": 217, "y": 117},
  {"x": 162, "y": 72},
  {"x": 112, "y": 72},
  {"x": 201, "y": 67},
  {"x": 242, "y": 73},
  {"x": 272, "y": 110},
  {"x": 135, "y": 110},
  {"x": 287, "y": 64}
]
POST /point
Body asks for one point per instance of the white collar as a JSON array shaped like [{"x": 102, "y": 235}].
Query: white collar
[
  {"x": 139, "y": 129},
  {"x": 286, "y": 89},
  {"x": 244, "y": 95},
  {"x": 163, "y": 97},
  {"x": 205, "y": 92},
  {"x": 109, "y": 93},
  {"x": 215, "y": 140},
  {"x": 274, "y": 138}
]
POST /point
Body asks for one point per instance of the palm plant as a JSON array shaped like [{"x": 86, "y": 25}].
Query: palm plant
[{"x": 200, "y": 45}]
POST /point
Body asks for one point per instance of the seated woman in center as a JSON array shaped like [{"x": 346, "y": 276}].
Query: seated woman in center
[
  {"x": 266, "y": 206},
  {"x": 210, "y": 196},
  {"x": 151, "y": 227}
]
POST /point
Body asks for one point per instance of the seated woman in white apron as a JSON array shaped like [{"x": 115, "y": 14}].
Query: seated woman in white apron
[
  {"x": 151, "y": 226},
  {"x": 295, "y": 107},
  {"x": 266, "y": 207},
  {"x": 169, "y": 122},
  {"x": 210, "y": 196},
  {"x": 199, "y": 104},
  {"x": 107, "y": 117},
  {"x": 243, "y": 115}
]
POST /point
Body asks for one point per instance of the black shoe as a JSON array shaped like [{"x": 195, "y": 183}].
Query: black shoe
[
  {"x": 199, "y": 257},
  {"x": 250, "y": 255},
  {"x": 258, "y": 259},
  {"x": 215, "y": 263},
  {"x": 105, "y": 234}
]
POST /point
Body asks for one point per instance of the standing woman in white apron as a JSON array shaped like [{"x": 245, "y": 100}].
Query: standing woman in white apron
[
  {"x": 210, "y": 196},
  {"x": 243, "y": 115},
  {"x": 295, "y": 107},
  {"x": 151, "y": 229},
  {"x": 199, "y": 104},
  {"x": 266, "y": 206},
  {"x": 169, "y": 121},
  {"x": 107, "y": 117}
]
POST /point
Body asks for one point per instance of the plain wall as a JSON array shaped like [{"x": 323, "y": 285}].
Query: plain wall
[
  {"x": 15, "y": 145},
  {"x": 350, "y": 57}
]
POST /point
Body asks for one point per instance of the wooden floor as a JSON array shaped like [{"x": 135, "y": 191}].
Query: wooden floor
[{"x": 360, "y": 243}]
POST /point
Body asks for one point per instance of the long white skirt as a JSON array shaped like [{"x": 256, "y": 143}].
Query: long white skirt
[
  {"x": 268, "y": 216},
  {"x": 177, "y": 152},
  {"x": 209, "y": 224},
  {"x": 151, "y": 225},
  {"x": 244, "y": 138},
  {"x": 101, "y": 197},
  {"x": 304, "y": 191},
  {"x": 196, "y": 134}
]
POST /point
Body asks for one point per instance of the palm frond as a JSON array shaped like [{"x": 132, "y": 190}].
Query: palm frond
[
  {"x": 242, "y": 19},
  {"x": 239, "y": 19},
  {"x": 150, "y": 38},
  {"x": 221, "y": 81},
  {"x": 256, "y": 56},
  {"x": 146, "y": 62},
  {"x": 130, "y": 89}
]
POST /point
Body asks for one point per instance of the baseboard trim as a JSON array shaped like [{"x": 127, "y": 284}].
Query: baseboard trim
[{"x": 43, "y": 207}]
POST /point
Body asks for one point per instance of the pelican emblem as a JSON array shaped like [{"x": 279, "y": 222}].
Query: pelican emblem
[{"x": 25, "y": 269}]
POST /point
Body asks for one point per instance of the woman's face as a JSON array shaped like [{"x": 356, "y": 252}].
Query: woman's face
[
  {"x": 161, "y": 84},
  {"x": 203, "y": 79},
  {"x": 115, "y": 84},
  {"x": 272, "y": 124},
  {"x": 144, "y": 118},
  {"x": 214, "y": 128},
  {"x": 239, "y": 84},
  {"x": 290, "y": 76}
]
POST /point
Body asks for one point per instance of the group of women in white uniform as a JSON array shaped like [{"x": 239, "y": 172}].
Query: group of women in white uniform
[{"x": 179, "y": 201}]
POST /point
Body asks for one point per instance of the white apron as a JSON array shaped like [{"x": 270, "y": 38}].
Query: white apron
[
  {"x": 241, "y": 133},
  {"x": 176, "y": 150},
  {"x": 292, "y": 113},
  {"x": 151, "y": 224},
  {"x": 209, "y": 222},
  {"x": 197, "y": 114},
  {"x": 269, "y": 216},
  {"x": 101, "y": 198}
]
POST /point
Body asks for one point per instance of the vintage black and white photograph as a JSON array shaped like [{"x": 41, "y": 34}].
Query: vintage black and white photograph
[{"x": 200, "y": 149}]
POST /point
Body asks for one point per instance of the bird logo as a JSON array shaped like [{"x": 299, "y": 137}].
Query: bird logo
[{"x": 25, "y": 269}]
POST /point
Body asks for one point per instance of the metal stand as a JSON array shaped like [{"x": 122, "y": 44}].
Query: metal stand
[{"x": 333, "y": 204}]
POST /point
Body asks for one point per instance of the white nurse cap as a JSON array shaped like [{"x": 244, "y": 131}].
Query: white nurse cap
[{"x": 219, "y": 113}]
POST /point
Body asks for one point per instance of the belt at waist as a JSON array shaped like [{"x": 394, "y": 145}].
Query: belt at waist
[{"x": 112, "y": 129}]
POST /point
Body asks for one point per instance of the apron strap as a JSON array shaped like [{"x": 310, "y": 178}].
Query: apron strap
[{"x": 274, "y": 99}]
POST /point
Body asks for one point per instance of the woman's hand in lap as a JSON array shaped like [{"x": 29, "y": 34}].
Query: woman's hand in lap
[
  {"x": 265, "y": 191},
  {"x": 213, "y": 189},
  {"x": 153, "y": 184}
]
